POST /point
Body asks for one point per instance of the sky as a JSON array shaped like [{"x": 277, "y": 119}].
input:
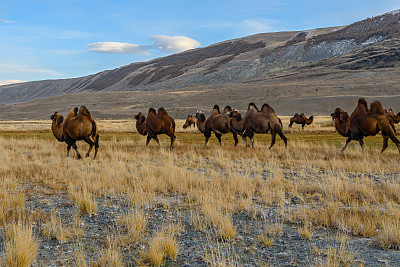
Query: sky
[{"x": 41, "y": 39}]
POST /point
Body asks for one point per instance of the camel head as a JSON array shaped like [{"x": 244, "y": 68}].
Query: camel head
[
  {"x": 140, "y": 117},
  {"x": 188, "y": 119},
  {"x": 340, "y": 114},
  {"x": 200, "y": 115},
  {"x": 57, "y": 118},
  {"x": 234, "y": 114}
]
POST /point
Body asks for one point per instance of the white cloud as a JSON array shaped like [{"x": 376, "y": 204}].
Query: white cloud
[
  {"x": 10, "y": 69},
  {"x": 174, "y": 43},
  {"x": 4, "y": 82},
  {"x": 116, "y": 47},
  {"x": 7, "y": 21},
  {"x": 164, "y": 43}
]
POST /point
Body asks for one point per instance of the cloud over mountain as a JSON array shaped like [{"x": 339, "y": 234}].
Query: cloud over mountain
[{"x": 165, "y": 43}]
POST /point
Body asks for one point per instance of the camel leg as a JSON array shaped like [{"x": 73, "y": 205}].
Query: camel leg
[
  {"x": 219, "y": 138},
  {"x": 235, "y": 138},
  {"x": 302, "y": 125},
  {"x": 388, "y": 131},
  {"x": 273, "y": 139},
  {"x": 244, "y": 140},
  {"x": 348, "y": 140},
  {"x": 68, "y": 149},
  {"x": 207, "y": 135},
  {"x": 91, "y": 144},
  {"x": 283, "y": 137},
  {"x": 385, "y": 143},
  {"x": 148, "y": 139},
  {"x": 158, "y": 141},
  {"x": 361, "y": 141},
  {"x": 76, "y": 150},
  {"x": 96, "y": 145},
  {"x": 173, "y": 137}
]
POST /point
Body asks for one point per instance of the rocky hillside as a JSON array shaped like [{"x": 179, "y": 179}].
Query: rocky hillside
[{"x": 246, "y": 65}]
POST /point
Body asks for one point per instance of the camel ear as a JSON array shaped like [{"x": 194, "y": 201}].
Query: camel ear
[{"x": 344, "y": 117}]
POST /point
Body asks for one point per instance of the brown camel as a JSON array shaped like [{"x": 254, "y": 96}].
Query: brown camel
[
  {"x": 255, "y": 121},
  {"x": 57, "y": 126},
  {"x": 200, "y": 120},
  {"x": 159, "y": 123},
  {"x": 301, "y": 119},
  {"x": 364, "y": 122},
  {"x": 189, "y": 122},
  {"x": 141, "y": 121},
  {"x": 79, "y": 125},
  {"x": 219, "y": 124}
]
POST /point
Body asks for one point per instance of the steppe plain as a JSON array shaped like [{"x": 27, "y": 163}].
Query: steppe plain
[{"x": 309, "y": 205}]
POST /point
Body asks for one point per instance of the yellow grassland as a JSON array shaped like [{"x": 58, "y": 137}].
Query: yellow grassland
[{"x": 353, "y": 192}]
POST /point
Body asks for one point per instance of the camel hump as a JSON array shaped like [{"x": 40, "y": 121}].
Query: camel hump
[
  {"x": 252, "y": 105},
  {"x": 376, "y": 108},
  {"x": 152, "y": 112},
  {"x": 267, "y": 108},
  {"x": 73, "y": 112},
  {"x": 162, "y": 111},
  {"x": 216, "y": 107},
  {"x": 363, "y": 102},
  {"x": 84, "y": 111},
  {"x": 296, "y": 115},
  {"x": 227, "y": 109}
]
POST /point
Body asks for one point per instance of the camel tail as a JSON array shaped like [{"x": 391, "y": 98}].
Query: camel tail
[
  {"x": 280, "y": 121},
  {"x": 94, "y": 129}
]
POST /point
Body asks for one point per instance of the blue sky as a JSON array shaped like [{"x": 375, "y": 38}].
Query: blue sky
[{"x": 42, "y": 39}]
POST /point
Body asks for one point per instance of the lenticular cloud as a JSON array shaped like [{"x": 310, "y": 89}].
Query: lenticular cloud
[
  {"x": 164, "y": 43},
  {"x": 174, "y": 43},
  {"x": 115, "y": 47}
]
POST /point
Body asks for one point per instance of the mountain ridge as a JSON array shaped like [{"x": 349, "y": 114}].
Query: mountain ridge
[{"x": 266, "y": 64}]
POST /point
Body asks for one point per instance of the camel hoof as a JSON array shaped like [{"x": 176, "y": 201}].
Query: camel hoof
[{"x": 79, "y": 157}]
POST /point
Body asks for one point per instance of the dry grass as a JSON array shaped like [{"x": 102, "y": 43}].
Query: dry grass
[
  {"x": 311, "y": 184},
  {"x": 21, "y": 247}
]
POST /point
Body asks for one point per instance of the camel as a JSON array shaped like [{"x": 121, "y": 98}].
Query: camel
[
  {"x": 256, "y": 121},
  {"x": 159, "y": 123},
  {"x": 301, "y": 119},
  {"x": 200, "y": 120},
  {"x": 189, "y": 122},
  {"x": 57, "y": 126},
  {"x": 364, "y": 122},
  {"x": 218, "y": 123},
  {"x": 79, "y": 125}
]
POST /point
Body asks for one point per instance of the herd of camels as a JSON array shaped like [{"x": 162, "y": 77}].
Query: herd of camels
[{"x": 363, "y": 121}]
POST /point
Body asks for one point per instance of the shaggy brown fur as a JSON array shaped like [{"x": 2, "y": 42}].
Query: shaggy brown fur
[
  {"x": 393, "y": 116},
  {"x": 189, "y": 122},
  {"x": 79, "y": 125},
  {"x": 159, "y": 123},
  {"x": 255, "y": 121},
  {"x": 57, "y": 126},
  {"x": 367, "y": 122},
  {"x": 219, "y": 124},
  {"x": 200, "y": 120},
  {"x": 140, "y": 123},
  {"x": 301, "y": 119}
]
